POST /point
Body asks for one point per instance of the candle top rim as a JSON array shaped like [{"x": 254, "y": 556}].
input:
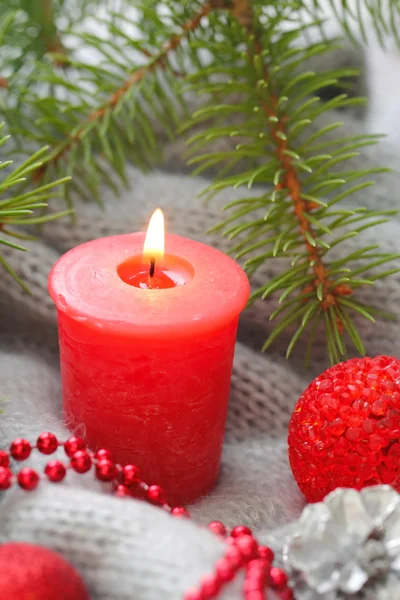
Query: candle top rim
[{"x": 84, "y": 283}]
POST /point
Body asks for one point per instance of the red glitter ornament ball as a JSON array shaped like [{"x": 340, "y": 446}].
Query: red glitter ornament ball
[
  {"x": 32, "y": 572},
  {"x": 345, "y": 430}
]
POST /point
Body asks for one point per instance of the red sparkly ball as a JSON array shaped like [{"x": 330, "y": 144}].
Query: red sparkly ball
[
  {"x": 106, "y": 470},
  {"x": 20, "y": 449},
  {"x": 81, "y": 461},
  {"x": 5, "y": 478},
  {"x": 345, "y": 430},
  {"x": 47, "y": 443},
  {"x": 31, "y": 572},
  {"x": 74, "y": 444},
  {"x": 28, "y": 479},
  {"x": 55, "y": 471}
]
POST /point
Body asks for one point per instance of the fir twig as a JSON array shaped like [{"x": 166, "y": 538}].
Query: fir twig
[
  {"x": 25, "y": 206},
  {"x": 158, "y": 60},
  {"x": 293, "y": 221}
]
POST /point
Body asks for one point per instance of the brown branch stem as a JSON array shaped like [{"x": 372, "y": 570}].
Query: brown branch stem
[
  {"x": 49, "y": 33},
  {"x": 292, "y": 183}
]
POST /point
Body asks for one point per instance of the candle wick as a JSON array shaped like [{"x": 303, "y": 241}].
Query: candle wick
[{"x": 152, "y": 267}]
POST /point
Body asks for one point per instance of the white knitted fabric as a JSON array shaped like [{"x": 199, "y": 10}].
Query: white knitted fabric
[{"x": 126, "y": 549}]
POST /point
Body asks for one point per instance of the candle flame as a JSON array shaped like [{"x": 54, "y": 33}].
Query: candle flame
[{"x": 154, "y": 242}]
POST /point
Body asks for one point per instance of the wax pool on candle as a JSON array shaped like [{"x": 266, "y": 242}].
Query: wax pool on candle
[{"x": 147, "y": 369}]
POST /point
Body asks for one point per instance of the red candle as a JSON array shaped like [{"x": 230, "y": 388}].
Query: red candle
[{"x": 146, "y": 343}]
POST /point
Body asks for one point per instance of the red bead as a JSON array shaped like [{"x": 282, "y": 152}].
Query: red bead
[
  {"x": 28, "y": 479},
  {"x": 278, "y": 577},
  {"x": 217, "y": 527},
  {"x": 130, "y": 475},
  {"x": 234, "y": 556},
  {"x": 20, "y": 449},
  {"x": 266, "y": 553},
  {"x": 55, "y": 471},
  {"x": 4, "y": 458},
  {"x": 225, "y": 570},
  {"x": 240, "y": 530},
  {"x": 81, "y": 461},
  {"x": 106, "y": 470},
  {"x": 179, "y": 511},
  {"x": 74, "y": 444},
  {"x": 156, "y": 494},
  {"x": 344, "y": 426},
  {"x": 122, "y": 491},
  {"x": 193, "y": 594},
  {"x": 103, "y": 454},
  {"x": 286, "y": 594},
  {"x": 47, "y": 443},
  {"x": 247, "y": 546},
  {"x": 5, "y": 478},
  {"x": 210, "y": 586}
]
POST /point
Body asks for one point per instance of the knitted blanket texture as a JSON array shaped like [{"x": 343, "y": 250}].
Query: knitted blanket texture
[{"x": 126, "y": 549}]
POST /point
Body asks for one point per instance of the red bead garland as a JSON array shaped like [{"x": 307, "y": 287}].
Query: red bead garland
[{"x": 242, "y": 549}]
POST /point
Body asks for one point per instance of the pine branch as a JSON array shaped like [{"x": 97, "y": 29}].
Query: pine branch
[
  {"x": 278, "y": 104},
  {"x": 25, "y": 207},
  {"x": 157, "y": 61}
]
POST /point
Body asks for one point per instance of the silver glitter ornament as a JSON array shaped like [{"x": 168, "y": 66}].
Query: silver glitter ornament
[{"x": 346, "y": 547}]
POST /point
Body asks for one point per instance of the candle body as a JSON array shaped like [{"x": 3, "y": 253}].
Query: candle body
[{"x": 150, "y": 382}]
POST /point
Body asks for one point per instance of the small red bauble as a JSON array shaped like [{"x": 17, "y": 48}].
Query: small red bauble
[
  {"x": 20, "y": 449},
  {"x": 32, "y": 572},
  {"x": 106, "y": 470},
  {"x": 345, "y": 430},
  {"x": 28, "y": 479},
  {"x": 74, "y": 444},
  {"x": 5, "y": 478},
  {"x": 55, "y": 471},
  {"x": 81, "y": 461}
]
